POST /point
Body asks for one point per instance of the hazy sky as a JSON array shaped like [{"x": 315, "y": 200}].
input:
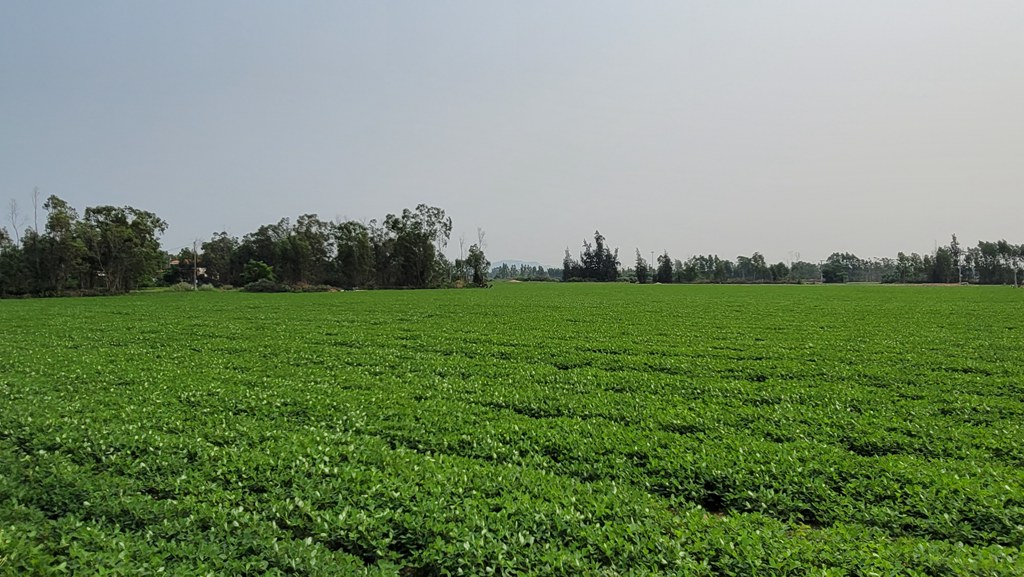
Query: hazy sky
[{"x": 696, "y": 127}]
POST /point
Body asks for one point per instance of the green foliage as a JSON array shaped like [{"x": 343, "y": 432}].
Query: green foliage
[
  {"x": 478, "y": 264},
  {"x": 266, "y": 285},
  {"x": 663, "y": 274},
  {"x": 411, "y": 244},
  {"x": 526, "y": 272},
  {"x": 403, "y": 251},
  {"x": 256, "y": 271},
  {"x": 779, "y": 272},
  {"x": 122, "y": 244},
  {"x": 839, "y": 267},
  {"x": 112, "y": 249},
  {"x": 812, "y": 430},
  {"x": 597, "y": 262},
  {"x": 354, "y": 259},
  {"x": 642, "y": 268},
  {"x": 218, "y": 258}
]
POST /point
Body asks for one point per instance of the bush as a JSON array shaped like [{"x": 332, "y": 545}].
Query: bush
[
  {"x": 256, "y": 271},
  {"x": 181, "y": 286},
  {"x": 266, "y": 286},
  {"x": 207, "y": 288},
  {"x": 313, "y": 288}
]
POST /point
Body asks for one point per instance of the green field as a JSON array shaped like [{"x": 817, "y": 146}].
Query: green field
[{"x": 528, "y": 429}]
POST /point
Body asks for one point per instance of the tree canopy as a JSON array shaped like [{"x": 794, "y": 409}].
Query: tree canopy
[{"x": 109, "y": 249}]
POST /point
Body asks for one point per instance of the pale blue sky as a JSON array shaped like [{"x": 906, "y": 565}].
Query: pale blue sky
[{"x": 696, "y": 127}]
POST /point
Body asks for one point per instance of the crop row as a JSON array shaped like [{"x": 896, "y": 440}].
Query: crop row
[{"x": 528, "y": 429}]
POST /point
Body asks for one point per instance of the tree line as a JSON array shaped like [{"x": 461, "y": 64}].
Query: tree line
[
  {"x": 106, "y": 249},
  {"x": 113, "y": 250},
  {"x": 109, "y": 249},
  {"x": 989, "y": 262},
  {"x": 525, "y": 272},
  {"x": 401, "y": 251}
]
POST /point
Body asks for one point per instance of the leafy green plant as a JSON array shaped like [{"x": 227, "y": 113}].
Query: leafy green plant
[
  {"x": 266, "y": 286},
  {"x": 530, "y": 429},
  {"x": 255, "y": 271}
]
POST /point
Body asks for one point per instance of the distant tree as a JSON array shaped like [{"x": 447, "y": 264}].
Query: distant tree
[
  {"x": 218, "y": 254},
  {"x": 34, "y": 253},
  {"x": 688, "y": 270},
  {"x": 12, "y": 274},
  {"x": 264, "y": 244},
  {"x": 759, "y": 267},
  {"x": 641, "y": 268},
  {"x": 957, "y": 253},
  {"x": 35, "y": 208},
  {"x": 478, "y": 263},
  {"x": 752, "y": 268},
  {"x": 308, "y": 250},
  {"x": 571, "y": 268},
  {"x": 803, "y": 270},
  {"x": 943, "y": 267},
  {"x": 991, "y": 262},
  {"x": 14, "y": 217},
  {"x": 256, "y": 271},
  {"x": 460, "y": 264},
  {"x": 65, "y": 252},
  {"x": 1009, "y": 257},
  {"x": 723, "y": 269},
  {"x": 679, "y": 271},
  {"x": 839, "y": 267},
  {"x": 353, "y": 261},
  {"x": 186, "y": 269},
  {"x": 744, "y": 268},
  {"x": 606, "y": 262},
  {"x": 1016, "y": 259},
  {"x": 404, "y": 250},
  {"x": 123, "y": 245},
  {"x": 779, "y": 272},
  {"x": 664, "y": 272},
  {"x": 414, "y": 237},
  {"x": 588, "y": 261},
  {"x": 502, "y": 272}
]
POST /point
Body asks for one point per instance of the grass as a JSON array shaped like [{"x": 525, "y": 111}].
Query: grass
[{"x": 530, "y": 428}]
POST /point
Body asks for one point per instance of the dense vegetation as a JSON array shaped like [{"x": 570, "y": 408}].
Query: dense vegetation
[
  {"x": 109, "y": 249},
  {"x": 529, "y": 429},
  {"x": 534, "y": 272},
  {"x": 988, "y": 263},
  {"x": 402, "y": 251},
  {"x": 114, "y": 250}
]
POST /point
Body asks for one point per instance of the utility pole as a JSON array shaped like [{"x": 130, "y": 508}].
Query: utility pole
[{"x": 195, "y": 267}]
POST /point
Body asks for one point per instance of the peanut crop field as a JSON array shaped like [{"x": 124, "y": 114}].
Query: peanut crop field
[{"x": 529, "y": 429}]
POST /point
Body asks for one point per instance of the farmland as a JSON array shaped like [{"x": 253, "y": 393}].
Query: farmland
[{"x": 526, "y": 429}]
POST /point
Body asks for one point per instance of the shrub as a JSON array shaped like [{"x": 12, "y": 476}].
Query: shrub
[
  {"x": 181, "y": 286},
  {"x": 266, "y": 286},
  {"x": 313, "y": 288},
  {"x": 256, "y": 271}
]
